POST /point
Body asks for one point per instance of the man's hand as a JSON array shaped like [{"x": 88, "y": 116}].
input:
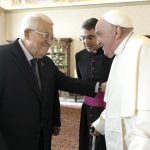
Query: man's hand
[
  {"x": 103, "y": 86},
  {"x": 93, "y": 131},
  {"x": 56, "y": 130}
]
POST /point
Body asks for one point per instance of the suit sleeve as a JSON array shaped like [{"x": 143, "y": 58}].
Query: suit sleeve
[
  {"x": 56, "y": 117},
  {"x": 66, "y": 83},
  {"x": 2, "y": 141},
  {"x": 77, "y": 67}
]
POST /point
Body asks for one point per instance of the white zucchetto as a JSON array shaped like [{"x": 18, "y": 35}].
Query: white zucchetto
[{"x": 118, "y": 17}]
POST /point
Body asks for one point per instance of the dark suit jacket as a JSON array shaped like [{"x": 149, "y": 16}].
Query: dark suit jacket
[{"x": 24, "y": 109}]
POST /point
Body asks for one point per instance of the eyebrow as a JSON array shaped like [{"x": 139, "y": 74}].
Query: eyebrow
[{"x": 87, "y": 35}]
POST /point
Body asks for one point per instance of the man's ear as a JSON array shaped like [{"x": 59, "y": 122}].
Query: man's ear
[
  {"x": 118, "y": 32},
  {"x": 27, "y": 33}
]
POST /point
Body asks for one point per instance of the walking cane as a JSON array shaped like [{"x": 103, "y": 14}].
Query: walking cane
[{"x": 93, "y": 142}]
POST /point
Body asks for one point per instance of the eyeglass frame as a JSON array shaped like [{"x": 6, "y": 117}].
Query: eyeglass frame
[{"x": 44, "y": 34}]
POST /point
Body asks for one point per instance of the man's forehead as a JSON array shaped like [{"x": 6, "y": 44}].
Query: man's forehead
[
  {"x": 85, "y": 31},
  {"x": 45, "y": 25},
  {"x": 101, "y": 24},
  {"x": 100, "y": 21},
  {"x": 98, "y": 26},
  {"x": 46, "y": 21}
]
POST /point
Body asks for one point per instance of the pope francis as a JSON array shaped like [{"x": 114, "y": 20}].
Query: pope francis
[{"x": 126, "y": 119}]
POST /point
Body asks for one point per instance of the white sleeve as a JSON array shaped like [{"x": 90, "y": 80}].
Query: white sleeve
[{"x": 99, "y": 124}]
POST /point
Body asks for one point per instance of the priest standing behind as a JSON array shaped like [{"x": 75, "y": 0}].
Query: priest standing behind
[
  {"x": 91, "y": 64},
  {"x": 126, "y": 119}
]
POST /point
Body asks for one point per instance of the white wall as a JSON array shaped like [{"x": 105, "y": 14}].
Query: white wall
[
  {"x": 67, "y": 21},
  {"x": 2, "y": 27}
]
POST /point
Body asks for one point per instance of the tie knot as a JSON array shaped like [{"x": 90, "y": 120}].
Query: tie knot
[{"x": 33, "y": 62}]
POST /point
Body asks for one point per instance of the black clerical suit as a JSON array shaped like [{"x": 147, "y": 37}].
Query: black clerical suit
[
  {"x": 93, "y": 66},
  {"x": 27, "y": 114}
]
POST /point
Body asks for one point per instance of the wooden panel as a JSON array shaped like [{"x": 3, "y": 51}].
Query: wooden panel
[{"x": 61, "y": 48}]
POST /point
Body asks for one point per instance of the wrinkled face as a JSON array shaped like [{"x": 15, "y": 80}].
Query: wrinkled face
[
  {"x": 39, "y": 41},
  {"x": 88, "y": 38},
  {"x": 105, "y": 33}
]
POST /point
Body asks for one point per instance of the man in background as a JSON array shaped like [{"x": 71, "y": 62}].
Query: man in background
[
  {"x": 91, "y": 65},
  {"x": 29, "y": 84},
  {"x": 125, "y": 121}
]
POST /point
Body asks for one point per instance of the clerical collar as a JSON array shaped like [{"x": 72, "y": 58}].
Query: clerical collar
[
  {"x": 92, "y": 51},
  {"x": 122, "y": 45}
]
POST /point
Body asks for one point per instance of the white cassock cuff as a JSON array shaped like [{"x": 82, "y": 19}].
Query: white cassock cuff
[{"x": 99, "y": 124}]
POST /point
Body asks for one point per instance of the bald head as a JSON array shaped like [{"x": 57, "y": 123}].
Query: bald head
[{"x": 33, "y": 21}]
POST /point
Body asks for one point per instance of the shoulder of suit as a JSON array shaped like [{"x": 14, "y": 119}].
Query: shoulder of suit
[
  {"x": 47, "y": 60},
  {"x": 4, "y": 49}
]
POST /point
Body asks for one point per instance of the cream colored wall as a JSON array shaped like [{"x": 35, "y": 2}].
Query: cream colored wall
[
  {"x": 67, "y": 21},
  {"x": 2, "y": 27}
]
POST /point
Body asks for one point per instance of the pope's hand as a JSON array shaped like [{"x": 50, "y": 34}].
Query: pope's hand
[
  {"x": 103, "y": 86},
  {"x": 93, "y": 131}
]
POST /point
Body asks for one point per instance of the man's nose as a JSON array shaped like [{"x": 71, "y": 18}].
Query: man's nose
[
  {"x": 85, "y": 40},
  {"x": 50, "y": 42},
  {"x": 99, "y": 41}
]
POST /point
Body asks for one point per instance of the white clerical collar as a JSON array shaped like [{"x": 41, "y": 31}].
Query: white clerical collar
[
  {"x": 27, "y": 54},
  {"x": 122, "y": 45}
]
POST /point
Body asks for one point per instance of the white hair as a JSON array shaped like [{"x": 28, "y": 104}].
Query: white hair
[{"x": 32, "y": 21}]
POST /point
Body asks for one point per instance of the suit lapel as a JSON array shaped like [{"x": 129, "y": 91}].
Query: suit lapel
[{"x": 22, "y": 63}]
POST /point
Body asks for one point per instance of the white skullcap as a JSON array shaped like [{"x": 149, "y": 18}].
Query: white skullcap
[{"x": 118, "y": 17}]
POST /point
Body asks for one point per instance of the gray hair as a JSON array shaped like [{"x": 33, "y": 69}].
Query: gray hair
[{"x": 32, "y": 21}]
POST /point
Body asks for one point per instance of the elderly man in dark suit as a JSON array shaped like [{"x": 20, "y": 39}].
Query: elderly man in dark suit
[{"x": 29, "y": 82}]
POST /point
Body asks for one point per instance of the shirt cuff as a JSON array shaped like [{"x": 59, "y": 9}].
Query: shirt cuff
[{"x": 97, "y": 87}]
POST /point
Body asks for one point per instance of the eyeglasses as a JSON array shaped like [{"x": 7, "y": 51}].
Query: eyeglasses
[
  {"x": 45, "y": 35},
  {"x": 89, "y": 37}
]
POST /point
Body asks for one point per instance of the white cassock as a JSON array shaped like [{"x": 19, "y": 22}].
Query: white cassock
[{"x": 126, "y": 119}]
